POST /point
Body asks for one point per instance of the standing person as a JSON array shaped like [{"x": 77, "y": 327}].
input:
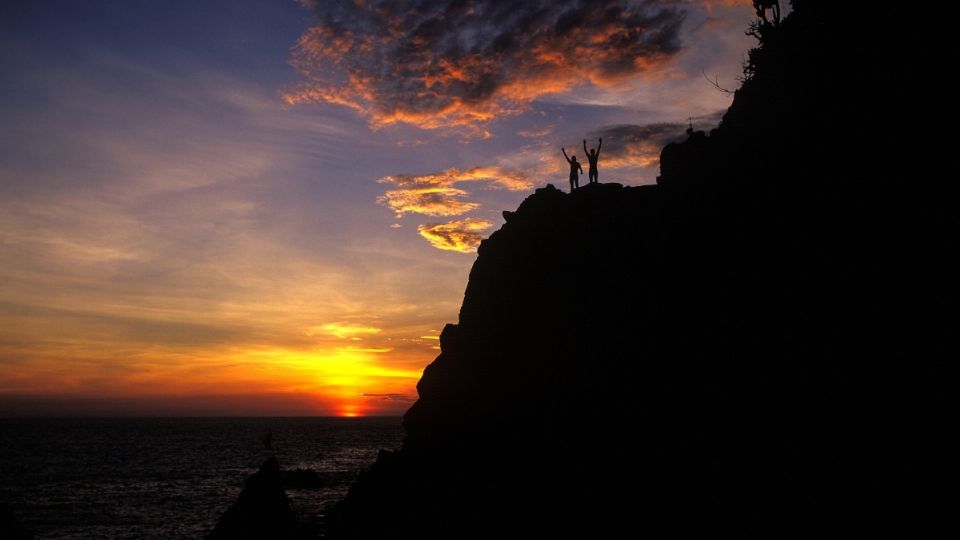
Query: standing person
[
  {"x": 574, "y": 167},
  {"x": 593, "y": 156}
]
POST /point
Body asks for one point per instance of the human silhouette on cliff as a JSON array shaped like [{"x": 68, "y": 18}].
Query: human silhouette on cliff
[
  {"x": 574, "y": 168},
  {"x": 593, "y": 156}
]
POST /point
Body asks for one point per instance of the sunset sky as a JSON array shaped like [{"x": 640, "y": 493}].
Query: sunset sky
[{"x": 271, "y": 207}]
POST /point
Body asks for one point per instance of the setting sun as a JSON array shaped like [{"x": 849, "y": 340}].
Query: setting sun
[{"x": 350, "y": 410}]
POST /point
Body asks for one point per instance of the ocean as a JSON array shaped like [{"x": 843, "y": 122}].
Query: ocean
[{"x": 168, "y": 478}]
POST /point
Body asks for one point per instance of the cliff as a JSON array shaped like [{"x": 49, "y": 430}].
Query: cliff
[{"x": 747, "y": 348}]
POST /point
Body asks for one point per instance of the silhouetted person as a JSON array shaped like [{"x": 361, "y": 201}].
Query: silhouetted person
[
  {"x": 763, "y": 5},
  {"x": 593, "y": 156},
  {"x": 574, "y": 167}
]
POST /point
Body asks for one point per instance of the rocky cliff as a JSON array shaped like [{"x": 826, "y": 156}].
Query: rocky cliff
[{"x": 735, "y": 351}]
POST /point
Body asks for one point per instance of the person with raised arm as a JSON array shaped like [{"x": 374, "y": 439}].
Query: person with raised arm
[
  {"x": 593, "y": 156},
  {"x": 574, "y": 168}
]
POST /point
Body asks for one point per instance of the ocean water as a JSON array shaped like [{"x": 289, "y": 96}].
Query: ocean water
[{"x": 170, "y": 478}]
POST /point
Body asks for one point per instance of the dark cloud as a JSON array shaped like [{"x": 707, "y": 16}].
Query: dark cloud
[
  {"x": 631, "y": 146},
  {"x": 433, "y": 63},
  {"x": 628, "y": 146}
]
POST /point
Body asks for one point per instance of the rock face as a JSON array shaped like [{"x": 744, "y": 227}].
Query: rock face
[
  {"x": 261, "y": 511},
  {"x": 723, "y": 354}
]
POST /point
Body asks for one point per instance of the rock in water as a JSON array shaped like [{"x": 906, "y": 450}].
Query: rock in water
[{"x": 261, "y": 512}]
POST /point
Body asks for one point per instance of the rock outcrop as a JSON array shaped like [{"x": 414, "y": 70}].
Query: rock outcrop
[
  {"x": 261, "y": 511},
  {"x": 733, "y": 352}
]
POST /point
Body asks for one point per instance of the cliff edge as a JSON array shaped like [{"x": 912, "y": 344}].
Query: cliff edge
[{"x": 727, "y": 353}]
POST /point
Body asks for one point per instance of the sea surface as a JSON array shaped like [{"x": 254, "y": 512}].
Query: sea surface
[{"x": 170, "y": 478}]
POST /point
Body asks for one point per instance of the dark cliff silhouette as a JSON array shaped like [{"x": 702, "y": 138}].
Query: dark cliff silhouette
[{"x": 750, "y": 348}]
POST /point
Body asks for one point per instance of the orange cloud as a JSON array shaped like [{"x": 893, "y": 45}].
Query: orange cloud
[
  {"x": 433, "y": 64},
  {"x": 462, "y": 235},
  {"x": 434, "y": 194},
  {"x": 428, "y": 201},
  {"x": 495, "y": 176}
]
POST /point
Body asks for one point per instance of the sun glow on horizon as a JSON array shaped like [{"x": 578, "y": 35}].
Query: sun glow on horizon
[
  {"x": 350, "y": 410},
  {"x": 344, "y": 379},
  {"x": 330, "y": 380}
]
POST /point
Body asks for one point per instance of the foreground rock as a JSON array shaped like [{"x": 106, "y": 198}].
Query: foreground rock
[
  {"x": 10, "y": 526},
  {"x": 302, "y": 479},
  {"x": 262, "y": 511}
]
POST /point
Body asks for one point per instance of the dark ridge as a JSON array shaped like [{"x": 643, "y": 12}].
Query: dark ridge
[{"x": 752, "y": 347}]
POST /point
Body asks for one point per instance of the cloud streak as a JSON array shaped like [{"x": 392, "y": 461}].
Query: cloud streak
[
  {"x": 433, "y": 64},
  {"x": 460, "y": 235},
  {"x": 343, "y": 330},
  {"x": 391, "y": 397}
]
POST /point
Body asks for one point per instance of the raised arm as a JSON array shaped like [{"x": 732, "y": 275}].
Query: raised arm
[
  {"x": 599, "y": 146},
  {"x": 565, "y": 154},
  {"x": 585, "y": 148}
]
